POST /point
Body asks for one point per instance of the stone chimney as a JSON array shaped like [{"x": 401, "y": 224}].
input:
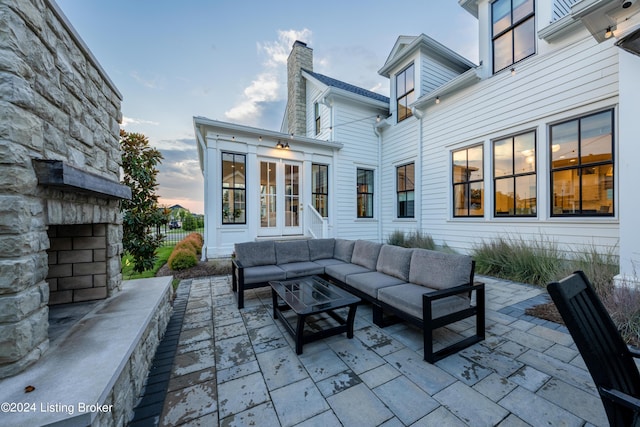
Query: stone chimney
[{"x": 301, "y": 57}]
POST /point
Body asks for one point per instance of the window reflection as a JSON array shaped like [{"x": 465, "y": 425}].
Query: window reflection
[
  {"x": 513, "y": 32},
  {"x": 468, "y": 188},
  {"x": 515, "y": 191},
  {"x": 405, "y": 85},
  {"x": 582, "y": 166},
  {"x": 233, "y": 188}
]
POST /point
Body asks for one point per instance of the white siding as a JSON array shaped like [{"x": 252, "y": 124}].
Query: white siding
[
  {"x": 354, "y": 129},
  {"x": 433, "y": 74},
  {"x": 313, "y": 96},
  {"x": 399, "y": 147},
  {"x": 569, "y": 82}
]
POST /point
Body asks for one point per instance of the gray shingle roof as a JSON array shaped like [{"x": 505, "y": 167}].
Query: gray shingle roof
[{"x": 348, "y": 87}]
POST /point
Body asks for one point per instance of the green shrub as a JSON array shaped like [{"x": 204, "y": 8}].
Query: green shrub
[
  {"x": 599, "y": 267},
  {"x": 182, "y": 258},
  {"x": 533, "y": 261},
  {"x": 418, "y": 239},
  {"x": 396, "y": 238},
  {"x": 189, "y": 223},
  {"x": 197, "y": 237},
  {"x": 413, "y": 239},
  {"x": 623, "y": 304},
  {"x": 187, "y": 244}
]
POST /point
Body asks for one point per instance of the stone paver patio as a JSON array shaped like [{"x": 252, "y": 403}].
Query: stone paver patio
[{"x": 238, "y": 367}]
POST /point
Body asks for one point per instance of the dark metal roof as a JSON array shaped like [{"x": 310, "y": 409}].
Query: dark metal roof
[{"x": 348, "y": 87}]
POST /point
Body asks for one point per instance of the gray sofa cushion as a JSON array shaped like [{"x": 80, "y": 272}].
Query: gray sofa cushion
[
  {"x": 343, "y": 249},
  {"x": 304, "y": 268},
  {"x": 292, "y": 251},
  {"x": 439, "y": 270},
  {"x": 341, "y": 271},
  {"x": 365, "y": 253},
  {"x": 256, "y": 253},
  {"x": 321, "y": 248},
  {"x": 263, "y": 273},
  {"x": 408, "y": 298},
  {"x": 369, "y": 283},
  {"x": 394, "y": 261},
  {"x": 328, "y": 261}
]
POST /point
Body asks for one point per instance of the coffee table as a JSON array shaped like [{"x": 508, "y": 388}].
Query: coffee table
[{"x": 311, "y": 295}]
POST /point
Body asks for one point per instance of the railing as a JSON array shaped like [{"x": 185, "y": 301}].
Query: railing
[{"x": 318, "y": 226}]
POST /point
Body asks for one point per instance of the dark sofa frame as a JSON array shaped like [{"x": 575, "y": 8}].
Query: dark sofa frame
[{"x": 385, "y": 315}]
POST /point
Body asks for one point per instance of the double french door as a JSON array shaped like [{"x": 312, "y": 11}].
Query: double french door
[{"x": 280, "y": 198}]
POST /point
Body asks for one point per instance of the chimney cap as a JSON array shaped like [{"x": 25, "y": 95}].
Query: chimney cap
[{"x": 300, "y": 43}]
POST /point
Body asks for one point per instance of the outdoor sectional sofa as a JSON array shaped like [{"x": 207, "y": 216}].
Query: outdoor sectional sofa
[{"x": 429, "y": 289}]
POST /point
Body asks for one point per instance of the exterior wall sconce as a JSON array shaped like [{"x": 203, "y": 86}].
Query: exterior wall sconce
[
  {"x": 608, "y": 33},
  {"x": 281, "y": 145}
]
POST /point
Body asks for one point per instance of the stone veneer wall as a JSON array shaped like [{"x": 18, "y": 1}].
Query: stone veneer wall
[
  {"x": 301, "y": 57},
  {"x": 56, "y": 103}
]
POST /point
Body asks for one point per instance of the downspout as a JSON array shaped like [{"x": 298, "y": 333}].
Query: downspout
[
  {"x": 419, "y": 115},
  {"x": 334, "y": 172},
  {"x": 324, "y": 101},
  {"x": 378, "y": 210},
  {"x": 205, "y": 173}
]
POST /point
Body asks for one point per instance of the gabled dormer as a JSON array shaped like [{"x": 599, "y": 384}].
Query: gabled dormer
[{"x": 417, "y": 66}]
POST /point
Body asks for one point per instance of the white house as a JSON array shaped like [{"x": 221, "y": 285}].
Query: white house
[{"x": 536, "y": 141}]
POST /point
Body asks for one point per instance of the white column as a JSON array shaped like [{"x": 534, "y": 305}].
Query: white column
[{"x": 627, "y": 162}]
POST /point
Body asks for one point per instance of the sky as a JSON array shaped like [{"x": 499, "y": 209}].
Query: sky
[{"x": 226, "y": 60}]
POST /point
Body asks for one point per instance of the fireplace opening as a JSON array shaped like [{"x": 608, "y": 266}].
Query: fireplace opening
[{"x": 77, "y": 263}]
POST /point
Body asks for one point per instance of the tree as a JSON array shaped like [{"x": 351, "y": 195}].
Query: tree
[
  {"x": 140, "y": 214},
  {"x": 189, "y": 222}
]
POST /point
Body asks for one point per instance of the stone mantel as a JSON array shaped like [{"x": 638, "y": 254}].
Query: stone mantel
[{"x": 59, "y": 174}]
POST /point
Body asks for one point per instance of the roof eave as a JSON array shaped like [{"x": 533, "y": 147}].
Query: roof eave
[
  {"x": 464, "y": 80},
  {"x": 470, "y": 6},
  {"x": 248, "y": 131},
  {"x": 424, "y": 41}
]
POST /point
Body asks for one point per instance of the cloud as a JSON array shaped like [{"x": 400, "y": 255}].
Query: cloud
[
  {"x": 126, "y": 121},
  {"x": 269, "y": 86},
  {"x": 179, "y": 177}
]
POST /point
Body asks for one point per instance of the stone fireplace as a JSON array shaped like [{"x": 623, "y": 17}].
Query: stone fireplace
[{"x": 60, "y": 222}]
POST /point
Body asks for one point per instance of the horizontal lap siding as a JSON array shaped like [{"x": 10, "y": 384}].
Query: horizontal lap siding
[
  {"x": 354, "y": 129},
  {"x": 561, "y": 85},
  {"x": 400, "y": 146}
]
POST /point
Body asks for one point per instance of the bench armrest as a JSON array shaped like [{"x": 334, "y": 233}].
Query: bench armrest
[
  {"x": 621, "y": 398},
  {"x": 634, "y": 352},
  {"x": 443, "y": 293},
  {"x": 237, "y": 263}
]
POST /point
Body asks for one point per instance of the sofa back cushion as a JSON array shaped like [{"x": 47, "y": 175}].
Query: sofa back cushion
[
  {"x": 394, "y": 261},
  {"x": 251, "y": 254},
  {"x": 343, "y": 249},
  {"x": 365, "y": 253},
  {"x": 439, "y": 270},
  {"x": 321, "y": 248},
  {"x": 292, "y": 251}
]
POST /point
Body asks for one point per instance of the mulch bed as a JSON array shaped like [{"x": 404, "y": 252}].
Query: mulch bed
[{"x": 546, "y": 311}]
